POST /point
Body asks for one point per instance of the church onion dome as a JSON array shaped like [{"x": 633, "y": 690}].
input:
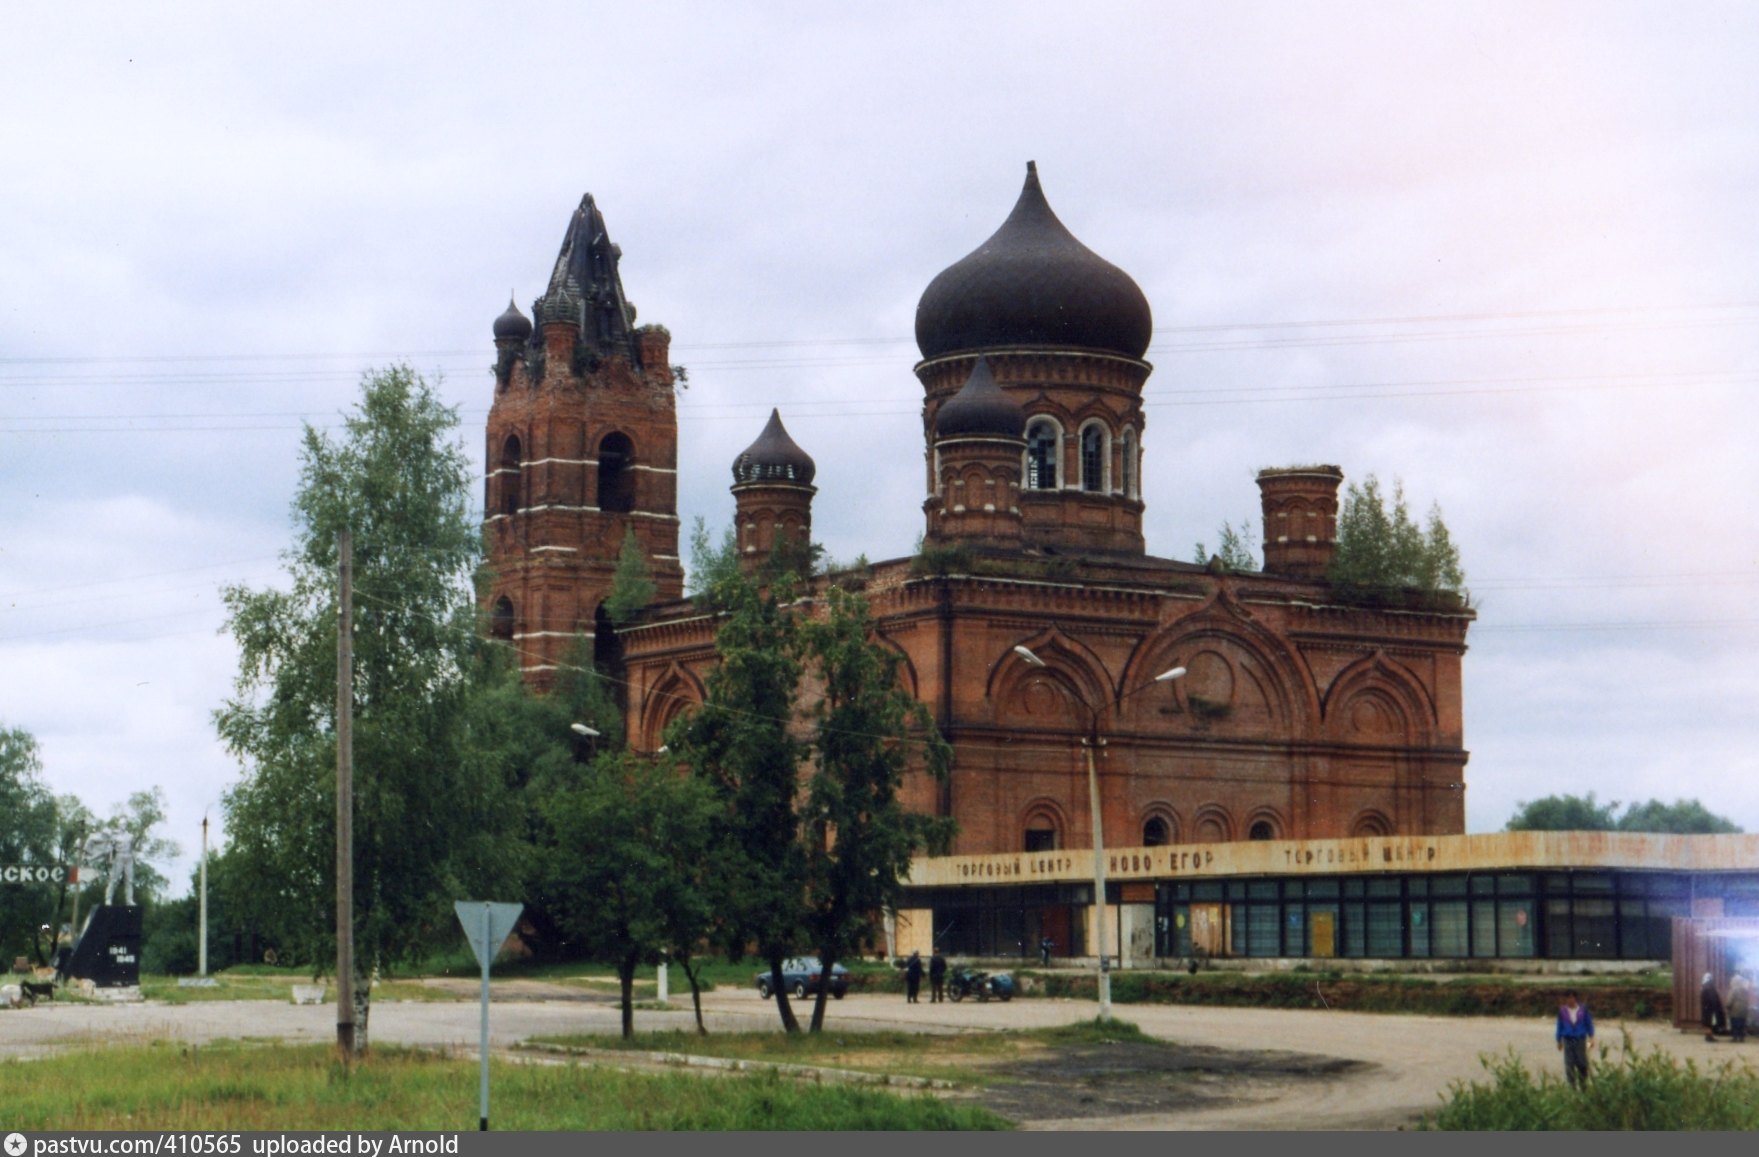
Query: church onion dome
[
  {"x": 774, "y": 458},
  {"x": 512, "y": 324},
  {"x": 980, "y": 408},
  {"x": 1032, "y": 284}
]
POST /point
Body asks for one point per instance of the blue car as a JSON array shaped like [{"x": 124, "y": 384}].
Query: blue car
[{"x": 801, "y": 976}]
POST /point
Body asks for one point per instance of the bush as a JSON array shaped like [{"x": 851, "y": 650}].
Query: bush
[{"x": 1640, "y": 1091}]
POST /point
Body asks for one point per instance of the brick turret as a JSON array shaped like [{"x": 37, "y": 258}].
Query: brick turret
[
  {"x": 1300, "y": 519},
  {"x": 772, "y": 498}
]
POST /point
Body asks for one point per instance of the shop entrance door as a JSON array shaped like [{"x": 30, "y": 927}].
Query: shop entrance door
[
  {"x": 1209, "y": 932},
  {"x": 1324, "y": 928}
]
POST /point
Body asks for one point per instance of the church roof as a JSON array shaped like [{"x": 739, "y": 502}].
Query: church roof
[
  {"x": 586, "y": 290},
  {"x": 1033, "y": 284},
  {"x": 512, "y": 323},
  {"x": 774, "y": 458},
  {"x": 980, "y": 407}
]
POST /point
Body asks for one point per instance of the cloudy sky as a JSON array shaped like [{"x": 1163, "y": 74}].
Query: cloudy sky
[{"x": 1504, "y": 252}]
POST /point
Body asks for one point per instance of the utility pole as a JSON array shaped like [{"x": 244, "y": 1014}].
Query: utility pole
[
  {"x": 345, "y": 797},
  {"x": 202, "y": 944}
]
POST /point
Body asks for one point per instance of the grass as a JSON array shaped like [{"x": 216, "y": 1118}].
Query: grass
[
  {"x": 1632, "y": 997},
  {"x": 1626, "y": 996},
  {"x": 242, "y": 1086},
  {"x": 1639, "y": 1091}
]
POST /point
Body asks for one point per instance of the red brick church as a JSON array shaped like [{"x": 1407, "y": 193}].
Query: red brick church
[{"x": 1035, "y": 616}]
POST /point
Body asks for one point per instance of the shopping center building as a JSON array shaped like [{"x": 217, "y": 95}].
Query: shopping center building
[{"x": 1511, "y": 896}]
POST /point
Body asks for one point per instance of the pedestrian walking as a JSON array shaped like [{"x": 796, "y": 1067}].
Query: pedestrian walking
[
  {"x": 1044, "y": 951},
  {"x": 912, "y": 977},
  {"x": 1710, "y": 1007},
  {"x": 1740, "y": 994},
  {"x": 1575, "y": 1036}
]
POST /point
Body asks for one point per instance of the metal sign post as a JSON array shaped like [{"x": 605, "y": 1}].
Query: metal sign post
[{"x": 486, "y": 926}]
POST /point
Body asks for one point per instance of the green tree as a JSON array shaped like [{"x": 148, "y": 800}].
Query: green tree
[
  {"x": 629, "y": 840},
  {"x": 712, "y": 565},
  {"x": 428, "y": 820},
  {"x": 1381, "y": 550},
  {"x": 1682, "y": 817},
  {"x": 1564, "y": 813},
  {"x": 1572, "y": 813},
  {"x": 29, "y": 835},
  {"x": 741, "y": 743},
  {"x": 1234, "y": 549},
  {"x": 865, "y": 729},
  {"x": 632, "y": 584}
]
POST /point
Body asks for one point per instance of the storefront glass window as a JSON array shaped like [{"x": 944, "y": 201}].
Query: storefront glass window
[
  {"x": 1385, "y": 930},
  {"x": 1558, "y": 940},
  {"x": 1596, "y": 928},
  {"x": 1514, "y": 927},
  {"x": 1448, "y": 933},
  {"x": 1484, "y": 927}
]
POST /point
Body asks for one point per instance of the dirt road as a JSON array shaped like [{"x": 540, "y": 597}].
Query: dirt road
[{"x": 1400, "y": 1063}]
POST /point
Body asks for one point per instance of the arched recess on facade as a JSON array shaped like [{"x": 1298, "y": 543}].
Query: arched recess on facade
[
  {"x": 1379, "y": 702},
  {"x": 905, "y": 667},
  {"x": 1211, "y": 824},
  {"x": 616, "y": 456},
  {"x": 1371, "y": 822},
  {"x": 1052, "y": 695},
  {"x": 1239, "y": 678},
  {"x": 509, "y": 475},
  {"x": 1266, "y": 823},
  {"x": 1044, "y": 827},
  {"x": 675, "y": 694},
  {"x": 1158, "y": 825},
  {"x": 501, "y": 620},
  {"x": 1130, "y": 463}
]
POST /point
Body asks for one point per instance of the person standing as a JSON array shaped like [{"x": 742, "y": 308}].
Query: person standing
[
  {"x": 1710, "y": 1007},
  {"x": 1740, "y": 994},
  {"x": 1575, "y": 1036},
  {"x": 1044, "y": 951},
  {"x": 912, "y": 977},
  {"x": 937, "y": 977}
]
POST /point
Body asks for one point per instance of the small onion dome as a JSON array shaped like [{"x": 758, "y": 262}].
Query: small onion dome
[
  {"x": 512, "y": 324},
  {"x": 774, "y": 458},
  {"x": 1033, "y": 284},
  {"x": 980, "y": 407}
]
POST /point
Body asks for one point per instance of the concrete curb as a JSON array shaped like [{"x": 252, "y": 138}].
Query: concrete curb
[{"x": 731, "y": 1064}]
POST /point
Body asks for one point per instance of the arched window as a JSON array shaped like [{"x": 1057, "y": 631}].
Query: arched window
[
  {"x": 1093, "y": 458},
  {"x": 501, "y": 619},
  {"x": 616, "y": 474},
  {"x": 510, "y": 475},
  {"x": 1042, "y": 440},
  {"x": 1155, "y": 833},
  {"x": 1041, "y": 833},
  {"x": 1262, "y": 830},
  {"x": 1129, "y": 462},
  {"x": 1371, "y": 823}
]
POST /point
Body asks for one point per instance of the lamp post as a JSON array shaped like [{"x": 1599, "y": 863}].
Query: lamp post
[{"x": 1091, "y": 741}]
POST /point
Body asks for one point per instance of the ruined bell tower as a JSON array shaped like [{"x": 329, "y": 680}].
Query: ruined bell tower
[{"x": 582, "y": 449}]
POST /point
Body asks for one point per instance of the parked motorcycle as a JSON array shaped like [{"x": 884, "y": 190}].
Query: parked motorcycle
[{"x": 964, "y": 982}]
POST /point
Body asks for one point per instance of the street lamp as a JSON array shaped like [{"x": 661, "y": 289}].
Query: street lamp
[
  {"x": 583, "y": 729},
  {"x": 1090, "y": 742}
]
